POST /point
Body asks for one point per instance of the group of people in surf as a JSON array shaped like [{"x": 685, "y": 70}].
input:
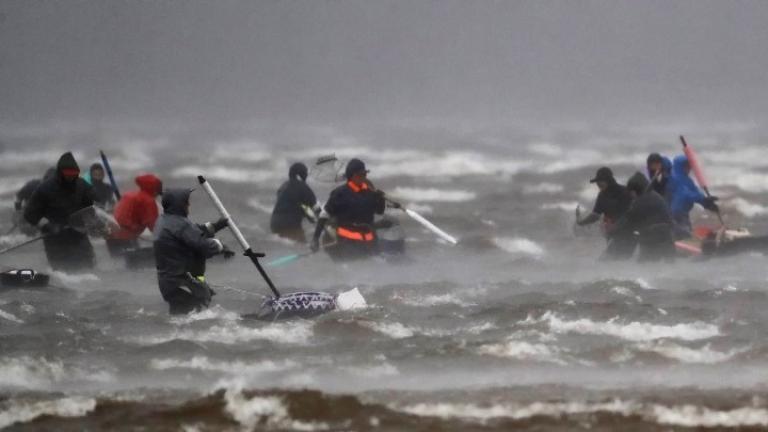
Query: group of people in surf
[
  {"x": 651, "y": 212},
  {"x": 180, "y": 247}
]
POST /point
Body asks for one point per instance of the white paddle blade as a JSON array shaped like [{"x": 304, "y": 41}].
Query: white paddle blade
[
  {"x": 351, "y": 299},
  {"x": 224, "y": 213},
  {"x": 430, "y": 226}
]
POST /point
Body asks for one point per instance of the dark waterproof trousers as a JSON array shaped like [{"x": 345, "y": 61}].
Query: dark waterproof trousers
[
  {"x": 184, "y": 296},
  {"x": 656, "y": 243},
  {"x": 69, "y": 250},
  {"x": 295, "y": 234},
  {"x": 620, "y": 247},
  {"x": 350, "y": 250}
]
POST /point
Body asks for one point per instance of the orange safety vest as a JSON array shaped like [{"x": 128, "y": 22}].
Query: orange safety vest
[
  {"x": 355, "y": 235},
  {"x": 355, "y": 188}
]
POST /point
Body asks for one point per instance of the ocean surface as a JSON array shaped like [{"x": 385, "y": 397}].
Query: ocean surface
[{"x": 518, "y": 327}]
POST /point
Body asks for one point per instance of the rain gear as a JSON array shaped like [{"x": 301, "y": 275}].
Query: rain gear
[
  {"x": 56, "y": 199},
  {"x": 137, "y": 210},
  {"x": 682, "y": 194},
  {"x": 181, "y": 249},
  {"x": 648, "y": 218},
  {"x": 288, "y": 212}
]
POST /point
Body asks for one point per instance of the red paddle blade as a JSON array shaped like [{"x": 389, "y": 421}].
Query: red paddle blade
[{"x": 694, "y": 162}]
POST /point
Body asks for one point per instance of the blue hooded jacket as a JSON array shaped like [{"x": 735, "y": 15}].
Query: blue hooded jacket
[{"x": 681, "y": 191}]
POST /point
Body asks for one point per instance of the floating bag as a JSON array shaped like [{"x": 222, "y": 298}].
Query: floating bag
[
  {"x": 24, "y": 278},
  {"x": 296, "y": 305}
]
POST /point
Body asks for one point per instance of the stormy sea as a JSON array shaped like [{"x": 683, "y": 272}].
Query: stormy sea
[{"x": 519, "y": 326}]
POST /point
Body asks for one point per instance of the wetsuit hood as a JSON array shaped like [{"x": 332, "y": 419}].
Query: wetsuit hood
[
  {"x": 150, "y": 184},
  {"x": 175, "y": 201},
  {"x": 298, "y": 170}
]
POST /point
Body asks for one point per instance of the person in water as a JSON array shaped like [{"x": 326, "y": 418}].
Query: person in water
[
  {"x": 136, "y": 212},
  {"x": 659, "y": 169},
  {"x": 181, "y": 249},
  {"x": 683, "y": 194},
  {"x": 103, "y": 195},
  {"x": 649, "y": 219},
  {"x": 295, "y": 201},
  {"x": 22, "y": 199},
  {"x": 353, "y": 206},
  {"x": 612, "y": 203},
  {"x": 56, "y": 200}
]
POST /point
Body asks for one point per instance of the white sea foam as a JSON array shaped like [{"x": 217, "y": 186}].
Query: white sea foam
[
  {"x": 633, "y": 331},
  {"x": 626, "y": 292},
  {"x": 703, "y": 355},
  {"x": 39, "y": 373},
  {"x": 394, "y": 330},
  {"x": 214, "y": 312},
  {"x": 297, "y": 332},
  {"x": 520, "y": 246},
  {"x": 11, "y": 185},
  {"x": 230, "y": 367},
  {"x": 567, "y": 206},
  {"x": 10, "y": 317},
  {"x": 523, "y": 350},
  {"x": 433, "y": 194},
  {"x": 223, "y": 173},
  {"x": 683, "y": 415},
  {"x": 264, "y": 411},
  {"x": 74, "y": 278},
  {"x": 451, "y": 164},
  {"x": 11, "y": 159},
  {"x": 434, "y": 300},
  {"x": 747, "y": 208},
  {"x": 542, "y": 188},
  {"x": 258, "y": 205},
  {"x": 374, "y": 371},
  {"x": 19, "y": 412}
]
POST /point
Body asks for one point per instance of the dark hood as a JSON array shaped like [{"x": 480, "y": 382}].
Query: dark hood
[
  {"x": 638, "y": 183},
  {"x": 67, "y": 161},
  {"x": 298, "y": 170},
  {"x": 175, "y": 201}
]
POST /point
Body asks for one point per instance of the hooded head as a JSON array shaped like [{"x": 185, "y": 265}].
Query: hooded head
[
  {"x": 355, "y": 166},
  {"x": 656, "y": 163},
  {"x": 681, "y": 166},
  {"x": 176, "y": 202},
  {"x": 67, "y": 168},
  {"x": 637, "y": 184},
  {"x": 298, "y": 171},
  {"x": 150, "y": 184},
  {"x": 97, "y": 173}
]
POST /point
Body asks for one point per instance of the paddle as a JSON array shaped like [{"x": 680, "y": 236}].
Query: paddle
[
  {"x": 24, "y": 243},
  {"x": 108, "y": 168},
  {"x": 254, "y": 256},
  {"x": 423, "y": 221},
  {"x": 698, "y": 173}
]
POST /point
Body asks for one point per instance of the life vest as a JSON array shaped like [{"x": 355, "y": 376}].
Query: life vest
[{"x": 361, "y": 234}]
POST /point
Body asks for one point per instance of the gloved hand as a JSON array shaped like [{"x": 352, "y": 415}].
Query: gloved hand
[
  {"x": 220, "y": 224},
  {"x": 227, "y": 252},
  {"x": 51, "y": 228},
  {"x": 314, "y": 245},
  {"x": 709, "y": 204},
  {"x": 395, "y": 204}
]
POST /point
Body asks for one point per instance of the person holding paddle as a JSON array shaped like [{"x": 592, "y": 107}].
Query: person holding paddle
[
  {"x": 293, "y": 197},
  {"x": 56, "y": 199},
  {"x": 683, "y": 194},
  {"x": 353, "y": 205}
]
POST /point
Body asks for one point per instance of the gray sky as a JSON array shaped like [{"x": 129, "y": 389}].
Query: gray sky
[{"x": 339, "y": 60}]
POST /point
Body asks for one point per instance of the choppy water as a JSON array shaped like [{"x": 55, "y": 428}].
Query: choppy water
[{"x": 517, "y": 327}]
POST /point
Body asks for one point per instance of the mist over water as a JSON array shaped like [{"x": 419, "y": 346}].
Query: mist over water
[{"x": 489, "y": 118}]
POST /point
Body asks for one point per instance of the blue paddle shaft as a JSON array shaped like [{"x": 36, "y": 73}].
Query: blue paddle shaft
[{"x": 108, "y": 169}]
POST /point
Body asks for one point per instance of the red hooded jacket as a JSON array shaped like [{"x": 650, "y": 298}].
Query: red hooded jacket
[{"x": 137, "y": 210}]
